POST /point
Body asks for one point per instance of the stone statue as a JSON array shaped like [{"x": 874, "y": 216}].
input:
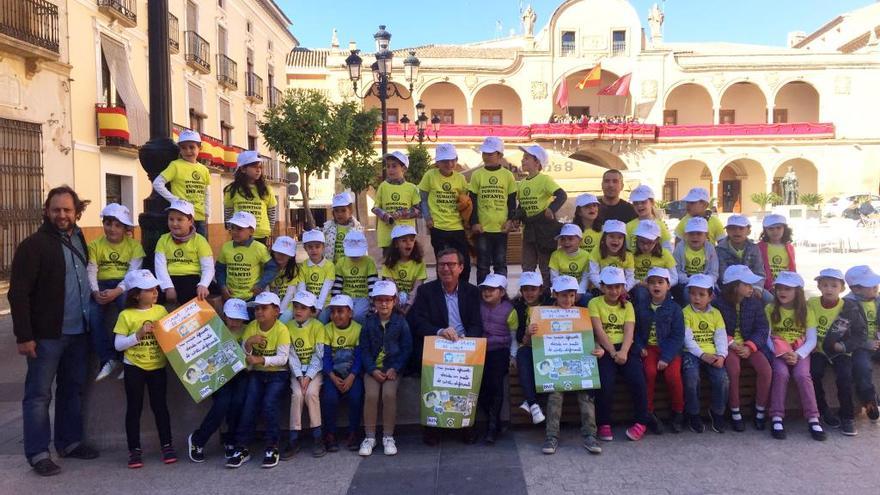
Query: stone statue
[
  {"x": 528, "y": 21},
  {"x": 334, "y": 40},
  {"x": 655, "y": 22},
  {"x": 790, "y": 187}
]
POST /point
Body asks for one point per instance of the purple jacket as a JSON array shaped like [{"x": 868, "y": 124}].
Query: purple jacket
[{"x": 495, "y": 329}]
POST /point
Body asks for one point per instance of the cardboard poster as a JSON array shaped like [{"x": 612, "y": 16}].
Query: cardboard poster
[
  {"x": 451, "y": 376},
  {"x": 202, "y": 351},
  {"x": 561, "y": 350}
]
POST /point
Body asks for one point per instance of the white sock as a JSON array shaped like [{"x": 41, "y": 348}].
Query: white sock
[{"x": 735, "y": 414}]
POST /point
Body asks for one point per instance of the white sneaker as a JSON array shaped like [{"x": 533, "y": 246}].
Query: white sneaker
[
  {"x": 525, "y": 407},
  {"x": 106, "y": 370},
  {"x": 389, "y": 446},
  {"x": 537, "y": 414},
  {"x": 367, "y": 447}
]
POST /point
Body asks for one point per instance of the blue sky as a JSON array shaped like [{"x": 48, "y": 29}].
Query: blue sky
[{"x": 414, "y": 23}]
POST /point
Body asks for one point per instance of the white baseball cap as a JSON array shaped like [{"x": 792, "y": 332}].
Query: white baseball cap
[
  {"x": 236, "y": 308},
  {"x": 586, "y": 199},
  {"x": 399, "y": 156},
  {"x": 658, "y": 271},
  {"x": 790, "y": 279},
  {"x": 740, "y": 273},
  {"x": 564, "y": 282},
  {"x": 530, "y": 279},
  {"x": 402, "y": 230},
  {"x": 495, "y": 280},
  {"x": 641, "y": 193},
  {"x": 571, "y": 229},
  {"x": 313, "y": 235},
  {"x": 538, "y": 152},
  {"x": 445, "y": 151},
  {"x": 247, "y": 157},
  {"x": 188, "y": 135},
  {"x": 697, "y": 194},
  {"x": 614, "y": 226},
  {"x": 118, "y": 212},
  {"x": 342, "y": 300},
  {"x": 611, "y": 275},
  {"x": 244, "y": 220},
  {"x": 264, "y": 298},
  {"x": 182, "y": 206},
  {"x": 492, "y": 144},
  {"x": 341, "y": 199},
  {"x": 701, "y": 280},
  {"x": 354, "y": 244},
  {"x": 831, "y": 273},
  {"x": 141, "y": 279},
  {"x": 738, "y": 221},
  {"x": 696, "y": 224},
  {"x": 647, "y": 229},
  {"x": 863, "y": 276},
  {"x": 384, "y": 288},
  {"x": 285, "y": 245},
  {"x": 305, "y": 298},
  {"x": 774, "y": 219}
]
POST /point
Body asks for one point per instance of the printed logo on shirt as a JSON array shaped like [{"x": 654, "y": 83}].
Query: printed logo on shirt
[
  {"x": 696, "y": 262},
  {"x": 340, "y": 341},
  {"x": 787, "y": 323},
  {"x": 646, "y": 262},
  {"x": 493, "y": 180},
  {"x": 612, "y": 318},
  {"x": 704, "y": 325},
  {"x": 447, "y": 186},
  {"x": 402, "y": 274},
  {"x": 395, "y": 196},
  {"x": 526, "y": 191},
  {"x": 823, "y": 320},
  {"x": 196, "y": 176},
  {"x": 178, "y": 253},
  {"x": 299, "y": 344},
  {"x": 355, "y": 270},
  {"x": 114, "y": 256},
  {"x": 777, "y": 260},
  {"x": 588, "y": 241},
  {"x": 238, "y": 257},
  {"x": 572, "y": 266},
  {"x": 313, "y": 277}
]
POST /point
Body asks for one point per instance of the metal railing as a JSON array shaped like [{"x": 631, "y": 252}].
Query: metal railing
[
  {"x": 254, "y": 89},
  {"x": 173, "y": 33},
  {"x": 32, "y": 21},
  {"x": 618, "y": 48},
  {"x": 125, "y": 10},
  {"x": 275, "y": 95},
  {"x": 227, "y": 71},
  {"x": 198, "y": 52},
  {"x": 568, "y": 48}
]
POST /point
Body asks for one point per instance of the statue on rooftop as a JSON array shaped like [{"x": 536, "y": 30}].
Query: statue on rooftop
[
  {"x": 655, "y": 22},
  {"x": 528, "y": 21}
]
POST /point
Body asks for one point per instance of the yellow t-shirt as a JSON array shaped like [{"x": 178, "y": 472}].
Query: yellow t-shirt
[
  {"x": 536, "y": 194},
  {"x": 824, "y": 318},
  {"x": 146, "y": 354},
  {"x": 342, "y": 338},
  {"x": 652, "y": 332},
  {"x": 257, "y": 206},
  {"x": 276, "y": 336},
  {"x": 571, "y": 265},
  {"x": 315, "y": 275},
  {"x": 612, "y": 317},
  {"x": 627, "y": 264},
  {"x": 183, "y": 259},
  {"x": 338, "y": 247},
  {"x": 189, "y": 181},
  {"x": 492, "y": 187},
  {"x": 787, "y": 327},
  {"x": 665, "y": 236},
  {"x": 716, "y": 228},
  {"x": 443, "y": 195},
  {"x": 113, "y": 259},
  {"x": 870, "y": 310},
  {"x": 281, "y": 282},
  {"x": 778, "y": 259},
  {"x": 244, "y": 266},
  {"x": 644, "y": 262},
  {"x": 703, "y": 325},
  {"x": 354, "y": 273},
  {"x": 404, "y": 274},
  {"x": 303, "y": 339},
  {"x": 694, "y": 261},
  {"x": 591, "y": 240},
  {"x": 392, "y": 197}
]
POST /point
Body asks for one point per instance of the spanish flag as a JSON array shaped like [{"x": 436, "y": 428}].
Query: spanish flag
[{"x": 592, "y": 79}]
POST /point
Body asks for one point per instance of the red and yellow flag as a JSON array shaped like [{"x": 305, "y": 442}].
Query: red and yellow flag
[{"x": 592, "y": 79}]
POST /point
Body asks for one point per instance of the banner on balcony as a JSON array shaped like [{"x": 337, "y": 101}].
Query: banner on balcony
[{"x": 112, "y": 122}]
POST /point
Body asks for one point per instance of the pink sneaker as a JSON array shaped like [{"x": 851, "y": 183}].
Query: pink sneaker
[
  {"x": 605, "y": 433},
  {"x": 635, "y": 432}
]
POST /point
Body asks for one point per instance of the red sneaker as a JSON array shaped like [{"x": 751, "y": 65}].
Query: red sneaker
[
  {"x": 605, "y": 433},
  {"x": 636, "y": 432}
]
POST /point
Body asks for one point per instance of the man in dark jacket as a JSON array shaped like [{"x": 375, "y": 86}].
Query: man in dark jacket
[
  {"x": 48, "y": 296},
  {"x": 447, "y": 308}
]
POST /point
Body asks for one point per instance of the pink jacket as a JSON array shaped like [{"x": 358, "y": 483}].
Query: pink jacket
[{"x": 768, "y": 280}]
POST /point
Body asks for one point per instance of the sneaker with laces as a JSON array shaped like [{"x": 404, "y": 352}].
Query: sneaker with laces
[
  {"x": 550, "y": 444},
  {"x": 135, "y": 459},
  {"x": 367, "y": 446},
  {"x": 636, "y": 432},
  {"x": 107, "y": 369},
  {"x": 717, "y": 422},
  {"x": 592, "y": 445},
  {"x": 389, "y": 446},
  {"x": 525, "y": 407},
  {"x": 196, "y": 453},
  {"x": 848, "y": 427},
  {"x": 270, "y": 458},
  {"x": 537, "y": 414},
  {"x": 228, "y": 451},
  {"x": 816, "y": 431},
  {"x": 872, "y": 411},
  {"x": 605, "y": 433},
  {"x": 695, "y": 423},
  {"x": 169, "y": 455},
  {"x": 239, "y": 457}
]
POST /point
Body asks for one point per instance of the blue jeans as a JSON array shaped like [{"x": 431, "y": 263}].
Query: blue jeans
[
  {"x": 264, "y": 391},
  {"x": 102, "y": 336},
  {"x": 491, "y": 251},
  {"x": 525, "y": 369},
  {"x": 635, "y": 380},
  {"x": 690, "y": 377},
  {"x": 227, "y": 404},
  {"x": 330, "y": 397},
  {"x": 64, "y": 360},
  {"x": 201, "y": 227}
]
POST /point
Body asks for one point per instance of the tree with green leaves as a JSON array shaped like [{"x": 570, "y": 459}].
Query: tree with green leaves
[
  {"x": 360, "y": 168},
  {"x": 419, "y": 162}
]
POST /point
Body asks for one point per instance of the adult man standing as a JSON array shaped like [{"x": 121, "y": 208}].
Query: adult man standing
[
  {"x": 449, "y": 308},
  {"x": 493, "y": 194},
  {"x": 49, "y": 295},
  {"x": 610, "y": 204}
]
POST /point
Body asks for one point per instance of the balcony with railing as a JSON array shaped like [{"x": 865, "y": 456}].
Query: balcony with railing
[
  {"x": 275, "y": 96},
  {"x": 618, "y": 48},
  {"x": 123, "y": 11},
  {"x": 198, "y": 52},
  {"x": 173, "y": 34},
  {"x": 227, "y": 72},
  {"x": 29, "y": 28},
  {"x": 254, "y": 89}
]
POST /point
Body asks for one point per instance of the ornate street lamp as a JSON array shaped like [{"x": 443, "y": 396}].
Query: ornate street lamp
[{"x": 421, "y": 126}]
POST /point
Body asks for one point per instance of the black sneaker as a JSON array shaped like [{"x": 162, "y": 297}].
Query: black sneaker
[
  {"x": 270, "y": 458},
  {"x": 550, "y": 444},
  {"x": 196, "y": 453},
  {"x": 82, "y": 451},
  {"x": 777, "y": 430},
  {"x": 717, "y": 422},
  {"x": 872, "y": 411},
  {"x": 331, "y": 443},
  {"x": 318, "y": 449},
  {"x": 829, "y": 419},
  {"x": 239, "y": 457},
  {"x": 676, "y": 423},
  {"x": 654, "y": 424},
  {"x": 290, "y": 450},
  {"x": 817, "y": 432},
  {"x": 760, "y": 422},
  {"x": 135, "y": 459},
  {"x": 695, "y": 423},
  {"x": 46, "y": 467},
  {"x": 228, "y": 451},
  {"x": 848, "y": 427},
  {"x": 169, "y": 456}
]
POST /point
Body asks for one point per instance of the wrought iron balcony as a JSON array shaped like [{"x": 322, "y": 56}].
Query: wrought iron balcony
[
  {"x": 124, "y": 11},
  {"x": 275, "y": 96},
  {"x": 254, "y": 89},
  {"x": 198, "y": 52},
  {"x": 29, "y": 27},
  {"x": 173, "y": 34},
  {"x": 227, "y": 72}
]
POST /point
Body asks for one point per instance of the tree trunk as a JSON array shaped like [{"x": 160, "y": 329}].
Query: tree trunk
[{"x": 304, "y": 189}]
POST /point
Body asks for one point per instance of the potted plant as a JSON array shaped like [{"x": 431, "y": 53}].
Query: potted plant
[
  {"x": 762, "y": 199},
  {"x": 813, "y": 202}
]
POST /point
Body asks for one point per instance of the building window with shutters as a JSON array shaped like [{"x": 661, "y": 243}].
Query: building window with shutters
[
  {"x": 393, "y": 116},
  {"x": 226, "y": 123},
  {"x": 197, "y": 113},
  {"x": 252, "y": 131},
  {"x": 446, "y": 115},
  {"x": 490, "y": 117}
]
